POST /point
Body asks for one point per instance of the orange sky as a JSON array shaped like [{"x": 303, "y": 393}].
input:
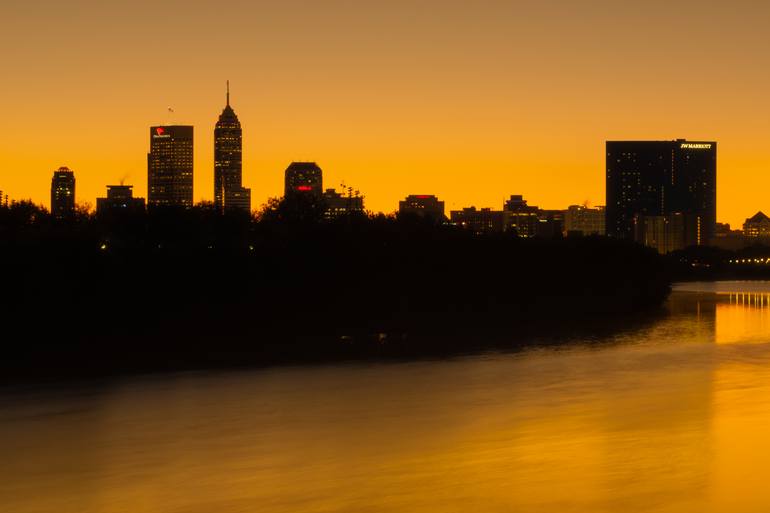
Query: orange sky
[{"x": 472, "y": 101}]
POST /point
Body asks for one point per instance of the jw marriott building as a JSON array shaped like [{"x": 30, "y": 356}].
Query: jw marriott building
[
  {"x": 170, "y": 166},
  {"x": 662, "y": 193}
]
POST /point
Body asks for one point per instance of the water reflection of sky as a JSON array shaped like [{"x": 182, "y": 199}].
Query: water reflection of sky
[{"x": 740, "y": 310}]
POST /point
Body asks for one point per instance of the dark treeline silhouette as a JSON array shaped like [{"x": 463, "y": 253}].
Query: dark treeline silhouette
[{"x": 191, "y": 287}]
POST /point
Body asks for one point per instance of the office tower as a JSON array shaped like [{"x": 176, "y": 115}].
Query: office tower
[
  {"x": 63, "y": 193},
  {"x": 580, "y": 220},
  {"x": 170, "y": 167},
  {"x": 422, "y": 205},
  {"x": 340, "y": 205},
  {"x": 228, "y": 174},
  {"x": 120, "y": 199},
  {"x": 659, "y": 178},
  {"x": 303, "y": 179}
]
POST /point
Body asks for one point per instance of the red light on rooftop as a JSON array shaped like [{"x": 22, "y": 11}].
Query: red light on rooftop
[
  {"x": 423, "y": 196},
  {"x": 304, "y": 188}
]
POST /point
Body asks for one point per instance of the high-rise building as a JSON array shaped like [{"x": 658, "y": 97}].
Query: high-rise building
[
  {"x": 422, "y": 205},
  {"x": 659, "y": 178},
  {"x": 120, "y": 199},
  {"x": 229, "y": 192},
  {"x": 303, "y": 179},
  {"x": 584, "y": 220},
  {"x": 170, "y": 166},
  {"x": 63, "y": 193}
]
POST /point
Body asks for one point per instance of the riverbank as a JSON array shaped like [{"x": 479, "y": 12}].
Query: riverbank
[{"x": 79, "y": 303}]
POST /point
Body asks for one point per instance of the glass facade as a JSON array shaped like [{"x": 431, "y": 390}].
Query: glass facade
[
  {"x": 660, "y": 178},
  {"x": 229, "y": 192},
  {"x": 170, "y": 166}
]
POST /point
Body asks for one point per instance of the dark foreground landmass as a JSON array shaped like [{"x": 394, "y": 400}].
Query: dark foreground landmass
[
  {"x": 193, "y": 289},
  {"x": 704, "y": 263}
]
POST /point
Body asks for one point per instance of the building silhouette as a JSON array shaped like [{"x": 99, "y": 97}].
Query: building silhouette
[
  {"x": 422, "y": 205},
  {"x": 757, "y": 226},
  {"x": 229, "y": 192},
  {"x": 661, "y": 178},
  {"x": 63, "y": 193},
  {"x": 479, "y": 221},
  {"x": 516, "y": 217},
  {"x": 521, "y": 218},
  {"x": 664, "y": 233},
  {"x": 120, "y": 199},
  {"x": 734, "y": 240},
  {"x": 303, "y": 179},
  {"x": 581, "y": 220},
  {"x": 550, "y": 223},
  {"x": 338, "y": 205},
  {"x": 170, "y": 166}
]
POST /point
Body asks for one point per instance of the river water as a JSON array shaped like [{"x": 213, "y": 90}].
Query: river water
[{"x": 671, "y": 416}]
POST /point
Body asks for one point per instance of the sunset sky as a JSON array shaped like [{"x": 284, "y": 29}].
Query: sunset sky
[{"x": 472, "y": 101}]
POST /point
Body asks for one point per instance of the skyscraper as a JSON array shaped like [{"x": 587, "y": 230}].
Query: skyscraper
[
  {"x": 228, "y": 143},
  {"x": 303, "y": 178},
  {"x": 63, "y": 193},
  {"x": 658, "y": 178},
  {"x": 170, "y": 166}
]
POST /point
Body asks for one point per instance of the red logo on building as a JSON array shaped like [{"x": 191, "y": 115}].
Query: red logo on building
[
  {"x": 304, "y": 188},
  {"x": 160, "y": 130}
]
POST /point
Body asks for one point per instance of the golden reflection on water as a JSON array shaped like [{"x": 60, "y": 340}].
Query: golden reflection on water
[
  {"x": 741, "y": 317},
  {"x": 667, "y": 417}
]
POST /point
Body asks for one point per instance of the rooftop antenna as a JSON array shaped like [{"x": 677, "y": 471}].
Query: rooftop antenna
[{"x": 228, "y": 93}]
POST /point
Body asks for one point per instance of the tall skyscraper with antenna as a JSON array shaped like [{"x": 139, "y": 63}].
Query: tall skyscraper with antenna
[{"x": 229, "y": 193}]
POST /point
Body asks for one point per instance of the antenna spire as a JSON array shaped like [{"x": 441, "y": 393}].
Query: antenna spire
[{"x": 228, "y": 93}]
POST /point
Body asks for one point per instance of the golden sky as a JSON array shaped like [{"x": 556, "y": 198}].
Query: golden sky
[{"x": 472, "y": 101}]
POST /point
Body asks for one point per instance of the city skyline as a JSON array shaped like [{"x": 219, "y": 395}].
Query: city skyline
[
  {"x": 422, "y": 96},
  {"x": 229, "y": 121}
]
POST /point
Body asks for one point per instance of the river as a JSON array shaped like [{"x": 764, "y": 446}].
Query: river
[{"x": 670, "y": 416}]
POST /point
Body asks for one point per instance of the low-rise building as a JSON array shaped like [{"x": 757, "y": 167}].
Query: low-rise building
[
  {"x": 521, "y": 218},
  {"x": 120, "y": 199},
  {"x": 479, "y": 221},
  {"x": 422, "y": 205},
  {"x": 757, "y": 227},
  {"x": 581, "y": 220},
  {"x": 339, "y": 205}
]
